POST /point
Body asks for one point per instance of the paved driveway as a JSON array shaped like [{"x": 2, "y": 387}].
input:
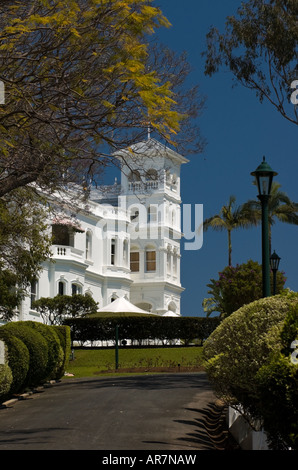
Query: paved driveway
[{"x": 153, "y": 412}]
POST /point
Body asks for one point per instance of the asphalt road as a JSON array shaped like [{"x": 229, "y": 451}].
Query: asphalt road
[{"x": 153, "y": 412}]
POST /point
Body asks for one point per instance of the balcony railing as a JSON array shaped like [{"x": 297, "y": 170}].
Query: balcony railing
[
  {"x": 68, "y": 252},
  {"x": 140, "y": 186}
]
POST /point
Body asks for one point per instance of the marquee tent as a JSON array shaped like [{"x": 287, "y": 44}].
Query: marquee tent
[{"x": 122, "y": 305}]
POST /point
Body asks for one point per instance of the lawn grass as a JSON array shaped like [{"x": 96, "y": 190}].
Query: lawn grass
[{"x": 90, "y": 362}]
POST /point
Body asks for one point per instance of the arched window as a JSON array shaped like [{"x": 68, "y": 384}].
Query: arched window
[
  {"x": 76, "y": 289},
  {"x": 33, "y": 293},
  {"x": 88, "y": 245},
  {"x": 61, "y": 288}
]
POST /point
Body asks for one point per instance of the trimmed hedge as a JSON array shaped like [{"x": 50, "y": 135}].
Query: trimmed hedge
[
  {"x": 5, "y": 379},
  {"x": 36, "y": 353},
  {"x": 55, "y": 353},
  {"x": 18, "y": 359},
  {"x": 5, "y": 376},
  {"x": 134, "y": 328},
  {"x": 64, "y": 335},
  {"x": 248, "y": 362}
]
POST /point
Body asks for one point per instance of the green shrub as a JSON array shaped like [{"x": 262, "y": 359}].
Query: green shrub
[
  {"x": 55, "y": 353},
  {"x": 278, "y": 389},
  {"x": 5, "y": 381},
  {"x": 242, "y": 343},
  {"x": 139, "y": 328},
  {"x": 5, "y": 377},
  {"x": 64, "y": 335},
  {"x": 18, "y": 359},
  {"x": 38, "y": 351},
  {"x": 245, "y": 365}
]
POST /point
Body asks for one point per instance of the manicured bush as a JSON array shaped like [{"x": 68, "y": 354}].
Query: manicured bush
[
  {"x": 63, "y": 332},
  {"x": 38, "y": 351},
  {"x": 5, "y": 381},
  {"x": 17, "y": 359},
  {"x": 245, "y": 363},
  {"x": 278, "y": 389},
  {"x": 55, "y": 353},
  {"x": 5, "y": 377},
  {"x": 139, "y": 328}
]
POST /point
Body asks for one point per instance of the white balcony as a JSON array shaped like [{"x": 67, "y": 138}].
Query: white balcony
[{"x": 68, "y": 253}]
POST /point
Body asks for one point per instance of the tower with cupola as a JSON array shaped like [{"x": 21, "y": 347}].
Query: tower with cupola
[{"x": 150, "y": 193}]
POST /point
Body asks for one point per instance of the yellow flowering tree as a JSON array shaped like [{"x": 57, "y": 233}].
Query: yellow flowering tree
[{"x": 81, "y": 80}]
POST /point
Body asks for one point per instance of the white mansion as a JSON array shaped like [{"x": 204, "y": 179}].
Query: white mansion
[{"x": 122, "y": 240}]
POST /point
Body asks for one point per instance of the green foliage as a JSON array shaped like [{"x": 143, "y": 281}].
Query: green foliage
[
  {"x": 277, "y": 382},
  {"x": 277, "y": 385},
  {"x": 38, "y": 351},
  {"x": 237, "y": 286},
  {"x": 57, "y": 119},
  {"x": 246, "y": 365},
  {"x": 54, "y": 349},
  {"x": 35, "y": 353},
  {"x": 137, "y": 329},
  {"x": 5, "y": 376},
  {"x": 54, "y": 310},
  {"x": 63, "y": 333},
  {"x": 24, "y": 245},
  {"x": 5, "y": 380},
  {"x": 10, "y": 294},
  {"x": 17, "y": 359},
  {"x": 259, "y": 47},
  {"x": 231, "y": 217}
]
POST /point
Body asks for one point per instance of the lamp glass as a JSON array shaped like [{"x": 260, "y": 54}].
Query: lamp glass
[
  {"x": 264, "y": 184},
  {"x": 274, "y": 261}
]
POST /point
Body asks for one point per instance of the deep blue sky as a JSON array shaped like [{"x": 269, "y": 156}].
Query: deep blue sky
[{"x": 239, "y": 131}]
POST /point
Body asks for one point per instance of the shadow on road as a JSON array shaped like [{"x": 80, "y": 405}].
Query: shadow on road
[
  {"x": 210, "y": 428},
  {"x": 149, "y": 382}
]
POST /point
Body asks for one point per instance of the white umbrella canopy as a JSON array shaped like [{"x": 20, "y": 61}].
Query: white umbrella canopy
[{"x": 122, "y": 305}]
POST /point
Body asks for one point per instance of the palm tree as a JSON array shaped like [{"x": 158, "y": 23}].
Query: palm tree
[
  {"x": 231, "y": 218},
  {"x": 280, "y": 207}
]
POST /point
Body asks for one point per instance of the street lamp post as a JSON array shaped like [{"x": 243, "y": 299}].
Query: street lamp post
[
  {"x": 274, "y": 263},
  {"x": 264, "y": 176}
]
